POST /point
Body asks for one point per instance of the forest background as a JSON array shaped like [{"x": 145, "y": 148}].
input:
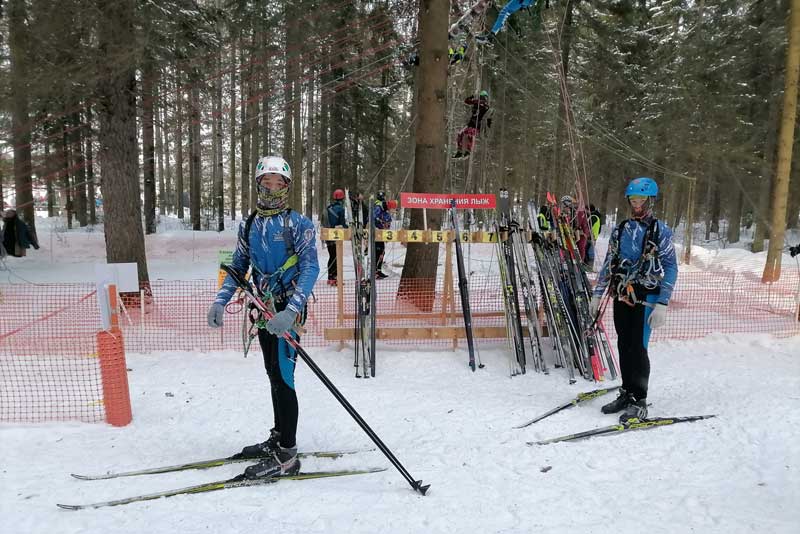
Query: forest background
[{"x": 160, "y": 108}]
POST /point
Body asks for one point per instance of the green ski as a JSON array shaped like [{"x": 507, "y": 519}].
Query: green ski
[
  {"x": 646, "y": 424},
  {"x": 582, "y": 397},
  {"x": 206, "y": 464},
  {"x": 236, "y": 482}
]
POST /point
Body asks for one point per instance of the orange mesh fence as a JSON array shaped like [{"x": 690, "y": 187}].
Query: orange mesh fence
[{"x": 50, "y": 367}]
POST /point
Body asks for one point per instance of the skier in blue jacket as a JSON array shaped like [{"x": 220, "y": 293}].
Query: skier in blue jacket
[
  {"x": 639, "y": 272},
  {"x": 279, "y": 245}
]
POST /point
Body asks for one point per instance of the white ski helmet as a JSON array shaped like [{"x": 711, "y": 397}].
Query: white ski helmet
[{"x": 274, "y": 164}]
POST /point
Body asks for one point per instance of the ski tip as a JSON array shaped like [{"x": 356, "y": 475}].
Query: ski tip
[
  {"x": 420, "y": 488},
  {"x": 79, "y": 477},
  {"x": 68, "y": 506}
]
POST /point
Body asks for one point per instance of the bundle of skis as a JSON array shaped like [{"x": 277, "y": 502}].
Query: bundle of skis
[
  {"x": 363, "y": 228},
  {"x": 552, "y": 286}
]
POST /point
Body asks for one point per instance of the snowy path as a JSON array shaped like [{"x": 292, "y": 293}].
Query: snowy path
[{"x": 451, "y": 428}]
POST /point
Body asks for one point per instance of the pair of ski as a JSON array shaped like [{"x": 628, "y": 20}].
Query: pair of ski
[
  {"x": 636, "y": 424},
  {"x": 238, "y": 481}
]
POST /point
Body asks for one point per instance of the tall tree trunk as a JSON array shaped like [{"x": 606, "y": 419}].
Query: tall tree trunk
[
  {"x": 735, "y": 217},
  {"x": 65, "y": 159},
  {"x": 288, "y": 89},
  {"x": 116, "y": 107},
  {"x": 78, "y": 161},
  {"x": 48, "y": 173},
  {"x": 20, "y": 121},
  {"x": 310, "y": 154},
  {"x": 322, "y": 172},
  {"x": 255, "y": 147},
  {"x": 429, "y": 152},
  {"x": 195, "y": 176},
  {"x": 148, "y": 147},
  {"x": 232, "y": 131},
  {"x": 179, "y": 188},
  {"x": 219, "y": 168},
  {"x": 780, "y": 190},
  {"x": 160, "y": 133},
  {"x": 245, "y": 133},
  {"x": 90, "y": 167}
]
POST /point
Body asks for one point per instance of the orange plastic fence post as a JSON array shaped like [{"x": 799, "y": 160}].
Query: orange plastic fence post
[{"x": 113, "y": 369}]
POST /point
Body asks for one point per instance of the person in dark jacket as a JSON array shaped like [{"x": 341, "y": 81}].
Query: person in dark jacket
[
  {"x": 466, "y": 137},
  {"x": 17, "y": 238},
  {"x": 334, "y": 219},
  {"x": 383, "y": 221},
  {"x": 279, "y": 245}
]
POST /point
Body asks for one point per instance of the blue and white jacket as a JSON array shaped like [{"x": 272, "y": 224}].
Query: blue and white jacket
[
  {"x": 631, "y": 244},
  {"x": 266, "y": 250}
]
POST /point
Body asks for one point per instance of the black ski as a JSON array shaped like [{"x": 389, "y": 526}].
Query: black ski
[
  {"x": 354, "y": 215},
  {"x": 647, "y": 424},
  {"x": 207, "y": 464},
  {"x": 508, "y": 274},
  {"x": 238, "y": 481},
  {"x": 463, "y": 287},
  {"x": 372, "y": 292},
  {"x": 582, "y": 397}
]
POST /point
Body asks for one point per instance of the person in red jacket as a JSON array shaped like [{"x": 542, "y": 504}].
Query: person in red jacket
[{"x": 466, "y": 137}]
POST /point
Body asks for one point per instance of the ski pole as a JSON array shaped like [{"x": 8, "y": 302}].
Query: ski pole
[{"x": 246, "y": 288}]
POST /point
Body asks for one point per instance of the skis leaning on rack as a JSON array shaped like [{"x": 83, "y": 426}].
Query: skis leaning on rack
[
  {"x": 233, "y": 482},
  {"x": 463, "y": 286},
  {"x": 508, "y": 280},
  {"x": 364, "y": 345}
]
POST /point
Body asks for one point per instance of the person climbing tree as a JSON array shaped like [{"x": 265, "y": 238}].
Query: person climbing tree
[
  {"x": 466, "y": 137},
  {"x": 509, "y": 9}
]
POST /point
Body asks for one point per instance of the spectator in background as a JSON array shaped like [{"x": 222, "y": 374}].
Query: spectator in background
[{"x": 17, "y": 237}]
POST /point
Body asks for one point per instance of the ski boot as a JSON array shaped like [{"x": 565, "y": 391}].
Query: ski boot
[
  {"x": 457, "y": 155},
  {"x": 332, "y": 282},
  {"x": 265, "y": 449},
  {"x": 618, "y": 404},
  {"x": 635, "y": 411},
  {"x": 283, "y": 461},
  {"x": 380, "y": 275}
]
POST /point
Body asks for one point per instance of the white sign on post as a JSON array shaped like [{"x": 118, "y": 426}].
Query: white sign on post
[{"x": 124, "y": 275}]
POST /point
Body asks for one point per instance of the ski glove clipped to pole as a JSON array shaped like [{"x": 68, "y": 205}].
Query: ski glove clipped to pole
[
  {"x": 215, "y": 315},
  {"x": 281, "y": 322},
  {"x": 658, "y": 317}
]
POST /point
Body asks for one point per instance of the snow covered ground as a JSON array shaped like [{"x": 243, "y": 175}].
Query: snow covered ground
[{"x": 450, "y": 427}]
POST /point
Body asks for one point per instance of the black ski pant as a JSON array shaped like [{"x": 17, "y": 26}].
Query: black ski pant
[
  {"x": 380, "y": 248},
  {"x": 279, "y": 360},
  {"x": 331, "y": 259},
  {"x": 633, "y": 335}
]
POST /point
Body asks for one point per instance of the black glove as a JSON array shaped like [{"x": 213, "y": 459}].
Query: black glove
[{"x": 795, "y": 250}]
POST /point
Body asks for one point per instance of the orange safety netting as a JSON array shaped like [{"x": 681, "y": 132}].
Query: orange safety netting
[{"x": 52, "y": 364}]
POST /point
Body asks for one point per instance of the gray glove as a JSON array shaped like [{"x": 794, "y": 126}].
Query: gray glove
[
  {"x": 215, "y": 314},
  {"x": 658, "y": 317},
  {"x": 281, "y": 322},
  {"x": 594, "y": 305}
]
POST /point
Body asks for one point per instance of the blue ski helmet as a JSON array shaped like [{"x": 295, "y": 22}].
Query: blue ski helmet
[{"x": 645, "y": 187}]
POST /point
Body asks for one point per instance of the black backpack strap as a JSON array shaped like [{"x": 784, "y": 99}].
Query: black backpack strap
[{"x": 247, "y": 225}]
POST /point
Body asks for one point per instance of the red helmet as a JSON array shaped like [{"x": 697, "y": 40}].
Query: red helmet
[
  {"x": 391, "y": 204},
  {"x": 338, "y": 194}
]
